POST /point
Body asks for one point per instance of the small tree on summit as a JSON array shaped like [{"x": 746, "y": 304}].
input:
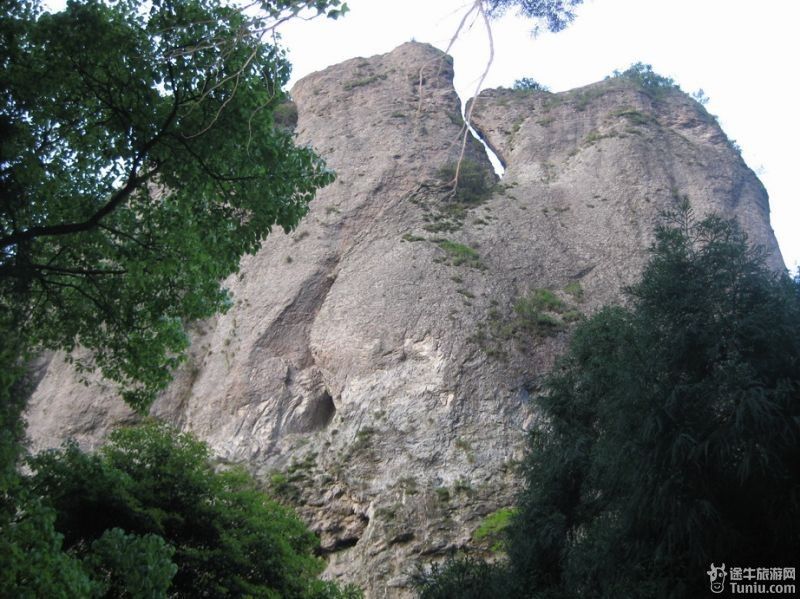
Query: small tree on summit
[{"x": 529, "y": 85}]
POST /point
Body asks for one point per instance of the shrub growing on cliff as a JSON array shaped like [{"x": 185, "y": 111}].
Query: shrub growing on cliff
[
  {"x": 475, "y": 183},
  {"x": 462, "y": 578},
  {"x": 529, "y": 85},
  {"x": 644, "y": 76}
]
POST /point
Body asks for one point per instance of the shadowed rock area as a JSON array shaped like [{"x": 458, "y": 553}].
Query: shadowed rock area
[{"x": 381, "y": 363}]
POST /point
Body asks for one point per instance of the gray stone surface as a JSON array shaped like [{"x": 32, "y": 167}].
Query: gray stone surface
[{"x": 374, "y": 373}]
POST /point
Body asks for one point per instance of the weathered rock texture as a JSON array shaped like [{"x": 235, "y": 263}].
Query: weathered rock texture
[{"x": 374, "y": 371}]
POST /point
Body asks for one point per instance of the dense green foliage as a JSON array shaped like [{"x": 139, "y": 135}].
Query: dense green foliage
[
  {"x": 32, "y": 560},
  {"x": 148, "y": 516},
  {"x": 139, "y": 163},
  {"x": 671, "y": 433},
  {"x": 139, "y": 160},
  {"x": 463, "y": 578}
]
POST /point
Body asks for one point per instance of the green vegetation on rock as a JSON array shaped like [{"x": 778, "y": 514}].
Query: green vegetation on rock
[
  {"x": 541, "y": 312},
  {"x": 492, "y": 530},
  {"x": 350, "y": 85},
  {"x": 575, "y": 290},
  {"x": 527, "y": 84},
  {"x": 643, "y": 76},
  {"x": 475, "y": 182},
  {"x": 461, "y": 254}
]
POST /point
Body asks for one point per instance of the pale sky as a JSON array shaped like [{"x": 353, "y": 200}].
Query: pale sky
[{"x": 743, "y": 54}]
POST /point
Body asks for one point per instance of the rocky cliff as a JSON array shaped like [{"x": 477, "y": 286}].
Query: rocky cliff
[{"x": 381, "y": 363}]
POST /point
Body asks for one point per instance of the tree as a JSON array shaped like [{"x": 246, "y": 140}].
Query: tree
[
  {"x": 672, "y": 435},
  {"x": 644, "y": 76},
  {"x": 557, "y": 14},
  {"x": 139, "y": 163},
  {"x": 149, "y": 511}
]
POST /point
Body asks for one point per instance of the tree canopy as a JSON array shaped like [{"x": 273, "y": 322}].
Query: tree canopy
[
  {"x": 672, "y": 437},
  {"x": 148, "y": 516},
  {"x": 139, "y": 162},
  {"x": 670, "y": 434}
]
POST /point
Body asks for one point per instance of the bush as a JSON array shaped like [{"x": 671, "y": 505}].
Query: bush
[
  {"x": 461, "y": 254},
  {"x": 461, "y": 578},
  {"x": 475, "y": 183},
  {"x": 574, "y": 289},
  {"x": 492, "y": 529},
  {"x": 536, "y": 312},
  {"x": 528, "y": 84},
  {"x": 644, "y": 76},
  {"x": 151, "y": 498}
]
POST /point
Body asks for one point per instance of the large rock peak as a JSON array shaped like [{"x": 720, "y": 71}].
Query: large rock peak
[
  {"x": 378, "y": 368},
  {"x": 616, "y": 151}
]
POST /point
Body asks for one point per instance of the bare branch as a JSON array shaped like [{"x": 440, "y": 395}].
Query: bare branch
[
  {"x": 468, "y": 115},
  {"x": 78, "y": 271},
  {"x": 478, "y": 5}
]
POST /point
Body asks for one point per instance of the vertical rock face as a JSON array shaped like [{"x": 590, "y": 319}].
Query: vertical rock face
[{"x": 379, "y": 367}]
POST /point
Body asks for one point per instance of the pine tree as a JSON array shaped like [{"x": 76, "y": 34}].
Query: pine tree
[{"x": 672, "y": 436}]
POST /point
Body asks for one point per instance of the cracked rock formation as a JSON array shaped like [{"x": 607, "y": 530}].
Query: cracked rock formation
[{"x": 381, "y": 363}]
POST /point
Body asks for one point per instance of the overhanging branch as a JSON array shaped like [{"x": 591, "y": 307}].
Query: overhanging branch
[{"x": 117, "y": 199}]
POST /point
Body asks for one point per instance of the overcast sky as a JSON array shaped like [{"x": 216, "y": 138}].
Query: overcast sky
[{"x": 743, "y": 54}]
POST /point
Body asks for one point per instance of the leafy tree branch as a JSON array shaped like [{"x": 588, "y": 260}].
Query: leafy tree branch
[{"x": 139, "y": 163}]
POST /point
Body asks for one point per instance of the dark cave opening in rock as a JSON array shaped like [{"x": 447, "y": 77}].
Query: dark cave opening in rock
[{"x": 324, "y": 411}]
